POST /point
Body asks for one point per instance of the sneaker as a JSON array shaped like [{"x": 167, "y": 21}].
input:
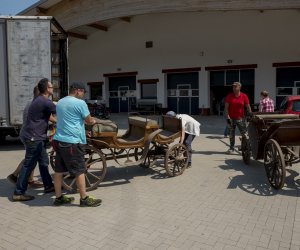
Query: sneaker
[
  {"x": 230, "y": 151},
  {"x": 35, "y": 184},
  {"x": 189, "y": 165},
  {"x": 12, "y": 178},
  {"x": 90, "y": 201},
  {"x": 63, "y": 200},
  {"x": 49, "y": 190},
  {"x": 22, "y": 197}
]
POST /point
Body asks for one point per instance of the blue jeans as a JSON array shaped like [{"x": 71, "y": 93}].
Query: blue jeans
[
  {"x": 188, "y": 139},
  {"x": 35, "y": 152}
]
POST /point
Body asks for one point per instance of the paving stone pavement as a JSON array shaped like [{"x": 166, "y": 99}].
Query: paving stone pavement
[{"x": 219, "y": 203}]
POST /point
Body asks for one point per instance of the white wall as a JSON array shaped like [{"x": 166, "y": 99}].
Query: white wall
[{"x": 246, "y": 37}]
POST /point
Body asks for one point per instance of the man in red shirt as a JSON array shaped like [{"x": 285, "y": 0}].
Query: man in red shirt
[{"x": 235, "y": 104}]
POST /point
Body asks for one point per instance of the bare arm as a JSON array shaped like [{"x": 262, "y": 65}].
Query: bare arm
[
  {"x": 248, "y": 108},
  {"x": 52, "y": 118},
  {"x": 226, "y": 109},
  {"x": 89, "y": 120}
]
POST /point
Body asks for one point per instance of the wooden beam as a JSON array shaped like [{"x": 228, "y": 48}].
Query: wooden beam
[
  {"x": 98, "y": 26},
  {"x": 77, "y": 35},
  {"x": 41, "y": 10},
  {"x": 126, "y": 19}
]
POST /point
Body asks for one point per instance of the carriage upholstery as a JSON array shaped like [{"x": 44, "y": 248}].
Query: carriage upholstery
[
  {"x": 171, "y": 129},
  {"x": 102, "y": 128}
]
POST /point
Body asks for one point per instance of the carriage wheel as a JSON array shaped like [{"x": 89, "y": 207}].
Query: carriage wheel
[
  {"x": 95, "y": 163},
  {"x": 176, "y": 159},
  {"x": 274, "y": 164},
  {"x": 246, "y": 150}
]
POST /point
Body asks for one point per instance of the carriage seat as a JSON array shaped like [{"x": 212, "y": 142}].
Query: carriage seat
[
  {"x": 171, "y": 129},
  {"x": 142, "y": 122},
  {"x": 138, "y": 131}
]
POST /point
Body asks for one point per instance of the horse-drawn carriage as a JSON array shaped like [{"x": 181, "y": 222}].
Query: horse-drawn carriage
[
  {"x": 143, "y": 143},
  {"x": 275, "y": 138}
]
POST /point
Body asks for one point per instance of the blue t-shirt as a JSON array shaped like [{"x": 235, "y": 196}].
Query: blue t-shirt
[
  {"x": 37, "y": 120},
  {"x": 70, "y": 114}
]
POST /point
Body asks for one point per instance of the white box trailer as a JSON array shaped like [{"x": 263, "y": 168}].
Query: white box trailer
[{"x": 31, "y": 48}]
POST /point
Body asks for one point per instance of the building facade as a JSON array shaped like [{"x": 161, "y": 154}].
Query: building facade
[{"x": 183, "y": 55}]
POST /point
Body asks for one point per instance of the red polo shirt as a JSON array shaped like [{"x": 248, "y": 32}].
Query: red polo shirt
[{"x": 236, "y": 105}]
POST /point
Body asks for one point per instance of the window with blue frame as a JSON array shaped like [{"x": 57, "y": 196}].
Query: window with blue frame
[{"x": 148, "y": 90}]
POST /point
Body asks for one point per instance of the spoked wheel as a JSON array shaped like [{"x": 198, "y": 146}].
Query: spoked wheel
[
  {"x": 176, "y": 159},
  {"x": 95, "y": 163},
  {"x": 246, "y": 150},
  {"x": 274, "y": 164}
]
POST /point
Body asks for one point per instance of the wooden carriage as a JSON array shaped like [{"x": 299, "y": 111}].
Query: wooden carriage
[
  {"x": 275, "y": 138},
  {"x": 144, "y": 142}
]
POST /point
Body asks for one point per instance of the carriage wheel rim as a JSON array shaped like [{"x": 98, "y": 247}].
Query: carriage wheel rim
[
  {"x": 274, "y": 164},
  {"x": 93, "y": 175},
  {"x": 176, "y": 159}
]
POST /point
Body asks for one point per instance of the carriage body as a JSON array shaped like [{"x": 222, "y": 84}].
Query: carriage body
[{"x": 275, "y": 138}]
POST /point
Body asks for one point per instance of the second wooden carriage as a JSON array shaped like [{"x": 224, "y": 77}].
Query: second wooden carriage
[{"x": 275, "y": 138}]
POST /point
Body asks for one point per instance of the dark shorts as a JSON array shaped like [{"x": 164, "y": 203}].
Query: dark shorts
[{"x": 69, "y": 158}]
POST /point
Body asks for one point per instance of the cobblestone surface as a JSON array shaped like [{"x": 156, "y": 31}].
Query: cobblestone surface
[{"x": 219, "y": 203}]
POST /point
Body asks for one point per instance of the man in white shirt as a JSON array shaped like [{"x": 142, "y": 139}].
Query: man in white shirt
[{"x": 190, "y": 129}]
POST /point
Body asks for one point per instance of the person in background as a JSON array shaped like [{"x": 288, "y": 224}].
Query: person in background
[
  {"x": 190, "y": 129},
  {"x": 266, "y": 104},
  {"x": 225, "y": 117},
  {"x": 14, "y": 176},
  {"x": 68, "y": 143},
  {"x": 235, "y": 104},
  {"x": 40, "y": 111}
]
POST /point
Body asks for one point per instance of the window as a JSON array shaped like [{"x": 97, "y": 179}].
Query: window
[
  {"x": 296, "y": 106},
  {"x": 95, "y": 90},
  {"x": 217, "y": 78},
  {"x": 286, "y": 77},
  {"x": 228, "y": 77},
  {"x": 148, "y": 90},
  {"x": 284, "y": 91},
  {"x": 232, "y": 76}
]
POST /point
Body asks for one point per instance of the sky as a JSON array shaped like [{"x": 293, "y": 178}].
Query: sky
[{"x": 12, "y": 7}]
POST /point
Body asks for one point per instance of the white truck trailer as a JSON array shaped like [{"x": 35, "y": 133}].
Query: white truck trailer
[{"x": 31, "y": 48}]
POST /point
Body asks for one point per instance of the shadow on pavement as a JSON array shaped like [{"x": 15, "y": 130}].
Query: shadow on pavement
[
  {"x": 123, "y": 175},
  {"x": 253, "y": 179},
  {"x": 41, "y": 199}
]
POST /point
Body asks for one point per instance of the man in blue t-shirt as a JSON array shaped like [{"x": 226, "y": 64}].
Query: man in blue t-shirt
[
  {"x": 34, "y": 136},
  {"x": 72, "y": 113}
]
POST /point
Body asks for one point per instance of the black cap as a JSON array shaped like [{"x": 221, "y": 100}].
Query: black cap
[{"x": 77, "y": 85}]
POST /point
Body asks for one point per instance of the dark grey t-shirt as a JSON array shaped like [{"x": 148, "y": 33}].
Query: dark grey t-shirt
[{"x": 37, "y": 120}]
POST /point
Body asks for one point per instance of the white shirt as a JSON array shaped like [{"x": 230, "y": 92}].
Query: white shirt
[{"x": 190, "y": 125}]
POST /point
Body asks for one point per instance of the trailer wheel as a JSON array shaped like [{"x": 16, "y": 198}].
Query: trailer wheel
[
  {"x": 176, "y": 159},
  {"x": 274, "y": 164}
]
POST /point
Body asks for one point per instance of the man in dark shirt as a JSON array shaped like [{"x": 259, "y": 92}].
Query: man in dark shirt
[{"x": 34, "y": 137}]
